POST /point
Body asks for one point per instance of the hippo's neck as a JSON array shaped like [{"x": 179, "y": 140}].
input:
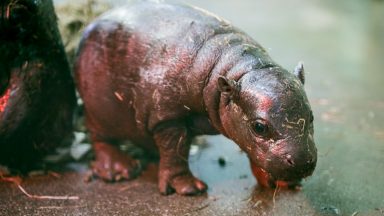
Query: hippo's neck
[{"x": 233, "y": 63}]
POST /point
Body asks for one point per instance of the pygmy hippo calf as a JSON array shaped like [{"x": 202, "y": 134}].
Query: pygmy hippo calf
[
  {"x": 159, "y": 74},
  {"x": 37, "y": 95}
]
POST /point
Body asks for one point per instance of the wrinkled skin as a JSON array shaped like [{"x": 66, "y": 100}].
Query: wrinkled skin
[
  {"x": 286, "y": 150},
  {"x": 159, "y": 74},
  {"x": 37, "y": 95}
]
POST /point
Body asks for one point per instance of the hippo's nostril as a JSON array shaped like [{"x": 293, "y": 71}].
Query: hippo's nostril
[
  {"x": 312, "y": 161},
  {"x": 289, "y": 160}
]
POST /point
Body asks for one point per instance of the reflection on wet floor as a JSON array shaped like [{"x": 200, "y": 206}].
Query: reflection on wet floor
[{"x": 342, "y": 46}]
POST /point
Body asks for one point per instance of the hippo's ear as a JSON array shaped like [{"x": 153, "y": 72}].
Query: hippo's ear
[
  {"x": 299, "y": 72},
  {"x": 226, "y": 85}
]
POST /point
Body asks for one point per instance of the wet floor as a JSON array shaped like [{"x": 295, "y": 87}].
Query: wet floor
[{"x": 342, "y": 46}]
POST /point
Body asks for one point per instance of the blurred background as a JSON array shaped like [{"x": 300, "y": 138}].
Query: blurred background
[{"x": 341, "y": 43}]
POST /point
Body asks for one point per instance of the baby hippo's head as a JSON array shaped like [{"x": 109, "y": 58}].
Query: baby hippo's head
[{"x": 267, "y": 113}]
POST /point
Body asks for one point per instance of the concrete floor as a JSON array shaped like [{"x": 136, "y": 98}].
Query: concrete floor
[{"x": 342, "y": 45}]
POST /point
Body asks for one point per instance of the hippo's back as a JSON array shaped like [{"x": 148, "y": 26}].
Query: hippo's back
[
  {"x": 163, "y": 53},
  {"x": 139, "y": 51},
  {"x": 159, "y": 21}
]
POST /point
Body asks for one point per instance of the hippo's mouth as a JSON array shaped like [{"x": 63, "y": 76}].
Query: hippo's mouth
[
  {"x": 265, "y": 179},
  {"x": 4, "y": 99}
]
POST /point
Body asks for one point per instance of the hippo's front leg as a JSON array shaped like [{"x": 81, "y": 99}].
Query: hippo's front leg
[{"x": 173, "y": 141}]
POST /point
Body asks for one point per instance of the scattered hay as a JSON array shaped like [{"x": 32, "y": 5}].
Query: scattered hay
[
  {"x": 46, "y": 197},
  {"x": 17, "y": 181}
]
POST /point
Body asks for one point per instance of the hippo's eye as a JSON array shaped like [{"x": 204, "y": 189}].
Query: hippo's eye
[{"x": 261, "y": 129}]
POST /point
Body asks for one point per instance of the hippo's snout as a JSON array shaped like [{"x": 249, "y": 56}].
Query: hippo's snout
[
  {"x": 295, "y": 161},
  {"x": 288, "y": 166}
]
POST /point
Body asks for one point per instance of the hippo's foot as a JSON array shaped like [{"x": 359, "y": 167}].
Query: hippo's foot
[
  {"x": 174, "y": 173},
  {"x": 113, "y": 165},
  {"x": 183, "y": 184}
]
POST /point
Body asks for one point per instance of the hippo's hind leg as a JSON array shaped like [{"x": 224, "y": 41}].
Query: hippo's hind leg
[
  {"x": 111, "y": 164},
  {"x": 173, "y": 141}
]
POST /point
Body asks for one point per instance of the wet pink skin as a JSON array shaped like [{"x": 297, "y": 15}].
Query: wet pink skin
[
  {"x": 264, "y": 179},
  {"x": 261, "y": 175},
  {"x": 187, "y": 74},
  {"x": 4, "y": 100}
]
